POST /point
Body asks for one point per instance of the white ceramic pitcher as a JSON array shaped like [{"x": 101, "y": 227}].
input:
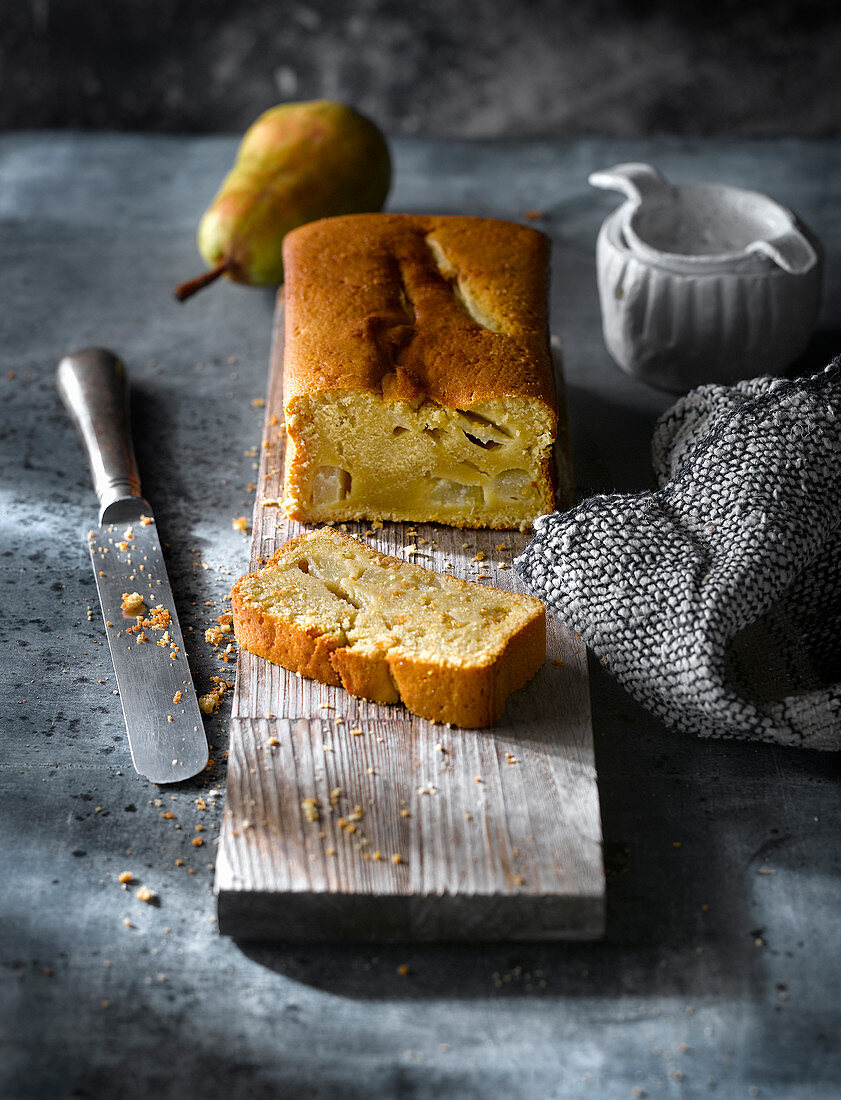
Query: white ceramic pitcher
[{"x": 702, "y": 282}]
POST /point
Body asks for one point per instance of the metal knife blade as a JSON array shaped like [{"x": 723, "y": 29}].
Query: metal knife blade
[{"x": 163, "y": 720}]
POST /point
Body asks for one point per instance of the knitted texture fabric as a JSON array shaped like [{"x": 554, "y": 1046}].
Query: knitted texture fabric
[{"x": 716, "y": 599}]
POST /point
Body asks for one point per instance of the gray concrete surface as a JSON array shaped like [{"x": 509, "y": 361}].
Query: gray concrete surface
[
  {"x": 480, "y": 68},
  {"x": 719, "y": 974}
]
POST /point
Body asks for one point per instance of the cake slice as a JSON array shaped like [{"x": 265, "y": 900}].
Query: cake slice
[
  {"x": 328, "y": 607},
  {"x": 418, "y": 380}
]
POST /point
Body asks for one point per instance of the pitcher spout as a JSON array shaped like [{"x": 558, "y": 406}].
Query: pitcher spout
[
  {"x": 790, "y": 250},
  {"x": 635, "y": 180}
]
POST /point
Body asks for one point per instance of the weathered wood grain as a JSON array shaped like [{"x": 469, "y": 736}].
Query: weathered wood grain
[{"x": 423, "y": 831}]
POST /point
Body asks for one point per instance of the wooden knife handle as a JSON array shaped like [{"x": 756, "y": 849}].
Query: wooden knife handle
[{"x": 92, "y": 384}]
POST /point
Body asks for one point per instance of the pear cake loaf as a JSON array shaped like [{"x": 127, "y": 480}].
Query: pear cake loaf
[
  {"x": 418, "y": 379},
  {"x": 328, "y": 607}
]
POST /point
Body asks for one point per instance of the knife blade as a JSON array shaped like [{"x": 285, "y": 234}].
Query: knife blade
[{"x": 164, "y": 724}]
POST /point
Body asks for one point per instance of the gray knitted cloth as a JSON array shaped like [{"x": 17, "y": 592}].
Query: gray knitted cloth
[{"x": 716, "y": 599}]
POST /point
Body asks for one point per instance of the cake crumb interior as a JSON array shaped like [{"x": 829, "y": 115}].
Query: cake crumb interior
[
  {"x": 357, "y": 456},
  {"x": 369, "y": 604}
]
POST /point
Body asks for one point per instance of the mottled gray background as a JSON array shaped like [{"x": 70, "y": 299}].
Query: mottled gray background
[{"x": 476, "y": 68}]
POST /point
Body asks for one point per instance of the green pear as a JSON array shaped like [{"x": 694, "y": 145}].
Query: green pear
[{"x": 297, "y": 162}]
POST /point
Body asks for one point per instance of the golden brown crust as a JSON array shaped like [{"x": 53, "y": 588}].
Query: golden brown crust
[
  {"x": 366, "y": 675},
  {"x": 390, "y": 303},
  {"x": 282, "y": 642}
]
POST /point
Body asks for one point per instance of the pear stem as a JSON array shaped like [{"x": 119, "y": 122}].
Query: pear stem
[{"x": 188, "y": 289}]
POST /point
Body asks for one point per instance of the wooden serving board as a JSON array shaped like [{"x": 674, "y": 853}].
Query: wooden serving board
[{"x": 423, "y": 832}]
